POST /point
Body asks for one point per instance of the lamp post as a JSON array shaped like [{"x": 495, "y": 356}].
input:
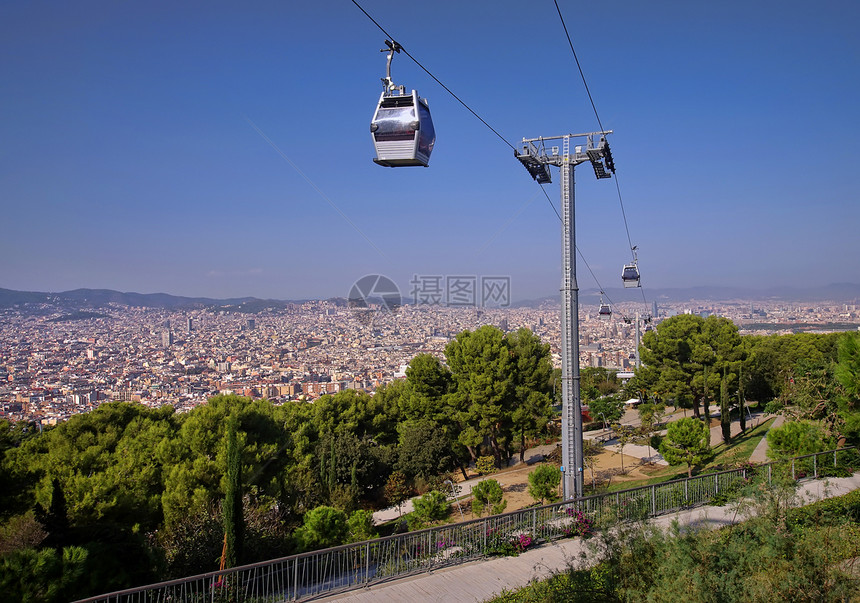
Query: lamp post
[
  {"x": 454, "y": 496},
  {"x": 604, "y": 420}
]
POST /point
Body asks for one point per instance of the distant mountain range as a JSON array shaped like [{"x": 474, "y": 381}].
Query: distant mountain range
[{"x": 80, "y": 299}]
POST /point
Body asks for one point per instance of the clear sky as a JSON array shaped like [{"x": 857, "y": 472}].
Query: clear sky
[{"x": 134, "y": 152}]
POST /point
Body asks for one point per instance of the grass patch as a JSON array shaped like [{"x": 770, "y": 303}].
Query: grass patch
[{"x": 725, "y": 456}]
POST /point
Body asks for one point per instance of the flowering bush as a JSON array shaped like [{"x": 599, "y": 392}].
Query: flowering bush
[
  {"x": 522, "y": 543},
  {"x": 580, "y": 526}
]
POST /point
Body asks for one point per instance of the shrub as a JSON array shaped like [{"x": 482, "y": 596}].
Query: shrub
[
  {"x": 485, "y": 465},
  {"x": 433, "y": 506},
  {"x": 543, "y": 483},
  {"x": 488, "y": 493}
]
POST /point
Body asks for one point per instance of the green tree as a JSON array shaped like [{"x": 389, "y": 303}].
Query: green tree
[
  {"x": 232, "y": 508},
  {"x": 397, "y": 489},
  {"x": 532, "y": 385},
  {"x": 608, "y": 409},
  {"x": 425, "y": 450},
  {"x": 847, "y": 374},
  {"x": 488, "y": 494},
  {"x": 725, "y": 415},
  {"x": 44, "y": 575},
  {"x": 543, "y": 483},
  {"x": 687, "y": 441},
  {"x": 775, "y": 360},
  {"x": 481, "y": 364},
  {"x": 624, "y": 434},
  {"x": 796, "y": 438},
  {"x": 323, "y": 527},
  {"x": 668, "y": 352},
  {"x": 194, "y": 480},
  {"x": 590, "y": 451},
  {"x": 110, "y": 464},
  {"x": 597, "y": 381},
  {"x": 432, "y": 506},
  {"x": 360, "y": 526}
]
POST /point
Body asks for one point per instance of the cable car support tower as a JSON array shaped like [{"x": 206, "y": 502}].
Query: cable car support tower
[{"x": 536, "y": 156}]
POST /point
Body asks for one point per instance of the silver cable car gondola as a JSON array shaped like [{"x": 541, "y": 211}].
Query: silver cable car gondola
[
  {"x": 605, "y": 312},
  {"x": 630, "y": 272},
  {"x": 401, "y": 127}
]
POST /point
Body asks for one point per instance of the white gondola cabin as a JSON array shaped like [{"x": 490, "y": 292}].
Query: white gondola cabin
[
  {"x": 605, "y": 312},
  {"x": 402, "y": 130},
  {"x": 630, "y": 276}
]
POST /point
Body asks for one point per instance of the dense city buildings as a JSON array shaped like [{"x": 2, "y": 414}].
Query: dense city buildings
[{"x": 54, "y": 364}]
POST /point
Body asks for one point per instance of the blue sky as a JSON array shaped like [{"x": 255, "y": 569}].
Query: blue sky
[{"x": 131, "y": 156}]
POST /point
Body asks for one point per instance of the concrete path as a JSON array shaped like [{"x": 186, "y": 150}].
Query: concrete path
[
  {"x": 481, "y": 580},
  {"x": 645, "y": 453},
  {"x": 759, "y": 455},
  {"x": 532, "y": 456}
]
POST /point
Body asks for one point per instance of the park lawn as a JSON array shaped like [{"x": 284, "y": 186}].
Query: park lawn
[{"x": 738, "y": 451}]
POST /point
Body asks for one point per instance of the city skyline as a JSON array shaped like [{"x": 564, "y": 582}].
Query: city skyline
[{"x": 224, "y": 151}]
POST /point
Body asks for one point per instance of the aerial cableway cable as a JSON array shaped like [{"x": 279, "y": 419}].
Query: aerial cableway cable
[
  {"x": 600, "y": 124},
  {"x": 481, "y": 119},
  {"x": 427, "y": 71}
]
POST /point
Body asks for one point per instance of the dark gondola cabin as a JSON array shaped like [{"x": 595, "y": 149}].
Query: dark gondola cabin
[
  {"x": 605, "y": 311},
  {"x": 630, "y": 276},
  {"x": 402, "y": 130}
]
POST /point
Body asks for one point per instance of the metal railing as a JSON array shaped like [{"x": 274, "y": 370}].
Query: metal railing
[{"x": 346, "y": 567}]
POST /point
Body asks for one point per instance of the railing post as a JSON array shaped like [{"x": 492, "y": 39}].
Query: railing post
[
  {"x": 769, "y": 467},
  {"x": 534, "y": 524},
  {"x": 716, "y": 483},
  {"x": 653, "y": 499},
  {"x": 815, "y": 466},
  {"x": 296, "y": 579},
  {"x": 484, "y": 539},
  {"x": 367, "y": 563}
]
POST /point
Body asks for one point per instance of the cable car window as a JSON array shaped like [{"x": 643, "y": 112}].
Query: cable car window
[
  {"x": 427, "y": 136},
  {"x": 395, "y": 123}
]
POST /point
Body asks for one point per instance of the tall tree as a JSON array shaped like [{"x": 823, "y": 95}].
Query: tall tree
[
  {"x": 668, "y": 351},
  {"x": 234, "y": 524},
  {"x": 725, "y": 417},
  {"x": 532, "y": 385},
  {"x": 483, "y": 398},
  {"x": 687, "y": 441},
  {"x": 847, "y": 373}
]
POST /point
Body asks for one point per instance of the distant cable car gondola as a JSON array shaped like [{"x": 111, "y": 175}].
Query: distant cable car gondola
[
  {"x": 401, "y": 127},
  {"x": 605, "y": 312},
  {"x": 630, "y": 272}
]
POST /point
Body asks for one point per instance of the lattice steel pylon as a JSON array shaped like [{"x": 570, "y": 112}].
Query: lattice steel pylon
[{"x": 534, "y": 156}]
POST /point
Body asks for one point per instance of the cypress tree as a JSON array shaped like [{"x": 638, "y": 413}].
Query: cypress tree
[
  {"x": 232, "y": 513},
  {"x": 741, "y": 404},
  {"x": 725, "y": 417}
]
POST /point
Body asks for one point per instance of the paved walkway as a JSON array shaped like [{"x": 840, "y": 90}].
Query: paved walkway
[
  {"x": 759, "y": 455},
  {"x": 481, "y": 580},
  {"x": 645, "y": 453}
]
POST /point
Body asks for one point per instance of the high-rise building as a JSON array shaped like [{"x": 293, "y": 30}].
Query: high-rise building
[
  {"x": 654, "y": 308},
  {"x": 190, "y": 325},
  {"x": 252, "y": 323},
  {"x": 167, "y": 338}
]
